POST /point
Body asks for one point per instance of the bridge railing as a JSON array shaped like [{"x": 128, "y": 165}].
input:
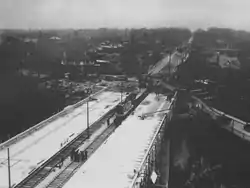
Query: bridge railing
[
  {"x": 44, "y": 123},
  {"x": 142, "y": 176},
  {"x": 236, "y": 126}
]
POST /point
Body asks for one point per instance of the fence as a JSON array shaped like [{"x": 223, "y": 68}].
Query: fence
[
  {"x": 44, "y": 123},
  {"x": 149, "y": 163}
]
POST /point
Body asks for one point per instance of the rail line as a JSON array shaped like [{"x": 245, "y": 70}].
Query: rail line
[
  {"x": 61, "y": 178},
  {"x": 40, "y": 173}
]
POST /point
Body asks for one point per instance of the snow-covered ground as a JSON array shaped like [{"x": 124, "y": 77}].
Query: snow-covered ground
[
  {"x": 113, "y": 164},
  {"x": 67, "y": 161},
  {"x": 30, "y": 152}
]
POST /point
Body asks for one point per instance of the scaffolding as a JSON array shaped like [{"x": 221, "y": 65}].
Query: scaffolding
[{"x": 150, "y": 164}]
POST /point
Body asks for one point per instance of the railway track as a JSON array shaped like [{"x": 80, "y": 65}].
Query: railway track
[
  {"x": 40, "y": 173},
  {"x": 61, "y": 178}
]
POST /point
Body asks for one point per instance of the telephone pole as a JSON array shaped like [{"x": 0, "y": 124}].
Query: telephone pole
[
  {"x": 88, "y": 117},
  {"x": 8, "y": 152},
  {"x": 121, "y": 90},
  {"x": 169, "y": 63},
  {"x": 88, "y": 92}
]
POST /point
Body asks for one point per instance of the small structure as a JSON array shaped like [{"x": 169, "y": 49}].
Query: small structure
[
  {"x": 55, "y": 38},
  {"x": 100, "y": 61}
]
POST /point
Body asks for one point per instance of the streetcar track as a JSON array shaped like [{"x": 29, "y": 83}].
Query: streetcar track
[
  {"x": 53, "y": 131},
  {"x": 62, "y": 177},
  {"x": 43, "y": 171},
  {"x": 40, "y": 173}
]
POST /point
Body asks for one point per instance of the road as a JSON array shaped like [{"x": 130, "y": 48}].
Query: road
[
  {"x": 176, "y": 59},
  {"x": 163, "y": 65}
]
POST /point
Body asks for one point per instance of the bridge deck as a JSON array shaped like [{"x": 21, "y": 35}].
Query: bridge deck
[
  {"x": 30, "y": 152},
  {"x": 113, "y": 164}
]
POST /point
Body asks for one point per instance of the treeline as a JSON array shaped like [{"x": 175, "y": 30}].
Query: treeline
[
  {"x": 44, "y": 55},
  {"x": 220, "y": 37},
  {"x": 23, "y": 104},
  {"x": 231, "y": 89},
  {"x": 223, "y": 38}
]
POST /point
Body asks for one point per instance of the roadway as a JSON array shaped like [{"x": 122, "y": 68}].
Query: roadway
[
  {"x": 114, "y": 164},
  {"x": 30, "y": 152},
  {"x": 163, "y": 65},
  {"x": 175, "y": 60}
]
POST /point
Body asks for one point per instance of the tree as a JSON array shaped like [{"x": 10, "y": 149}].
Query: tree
[{"x": 129, "y": 62}]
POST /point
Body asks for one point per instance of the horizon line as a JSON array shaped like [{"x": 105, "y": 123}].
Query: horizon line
[{"x": 127, "y": 28}]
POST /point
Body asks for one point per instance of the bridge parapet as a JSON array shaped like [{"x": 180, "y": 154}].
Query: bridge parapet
[
  {"x": 149, "y": 162},
  {"x": 44, "y": 123},
  {"x": 236, "y": 126}
]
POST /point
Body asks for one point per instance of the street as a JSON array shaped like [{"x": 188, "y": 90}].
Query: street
[{"x": 163, "y": 65}]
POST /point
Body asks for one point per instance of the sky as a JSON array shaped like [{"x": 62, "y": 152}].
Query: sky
[{"x": 53, "y": 14}]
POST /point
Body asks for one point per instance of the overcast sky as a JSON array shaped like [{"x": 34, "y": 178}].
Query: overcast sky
[{"x": 124, "y": 13}]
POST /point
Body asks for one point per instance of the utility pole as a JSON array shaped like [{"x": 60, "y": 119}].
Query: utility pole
[
  {"x": 88, "y": 117},
  {"x": 8, "y": 151},
  {"x": 121, "y": 91},
  {"x": 169, "y": 63},
  {"x": 88, "y": 91}
]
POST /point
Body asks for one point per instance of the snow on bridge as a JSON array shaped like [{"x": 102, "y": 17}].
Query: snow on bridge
[
  {"x": 31, "y": 151},
  {"x": 113, "y": 164}
]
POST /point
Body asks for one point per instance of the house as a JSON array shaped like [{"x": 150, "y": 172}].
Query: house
[
  {"x": 55, "y": 38},
  {"x": 100, "y": 61},
  {"x": 30, "y": 40}
]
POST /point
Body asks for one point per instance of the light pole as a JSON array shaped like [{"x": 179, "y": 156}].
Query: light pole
[
  {"x": 169, "y": 63},
  {"x": 8, "y": 152},
  {"x": 88, "y": 92},
  {"x": 121, "y": 91},
  {"x": 88, "y": 116}
]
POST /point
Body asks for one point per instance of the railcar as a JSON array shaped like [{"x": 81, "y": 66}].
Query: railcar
[{"x": 123, "y": 108}]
